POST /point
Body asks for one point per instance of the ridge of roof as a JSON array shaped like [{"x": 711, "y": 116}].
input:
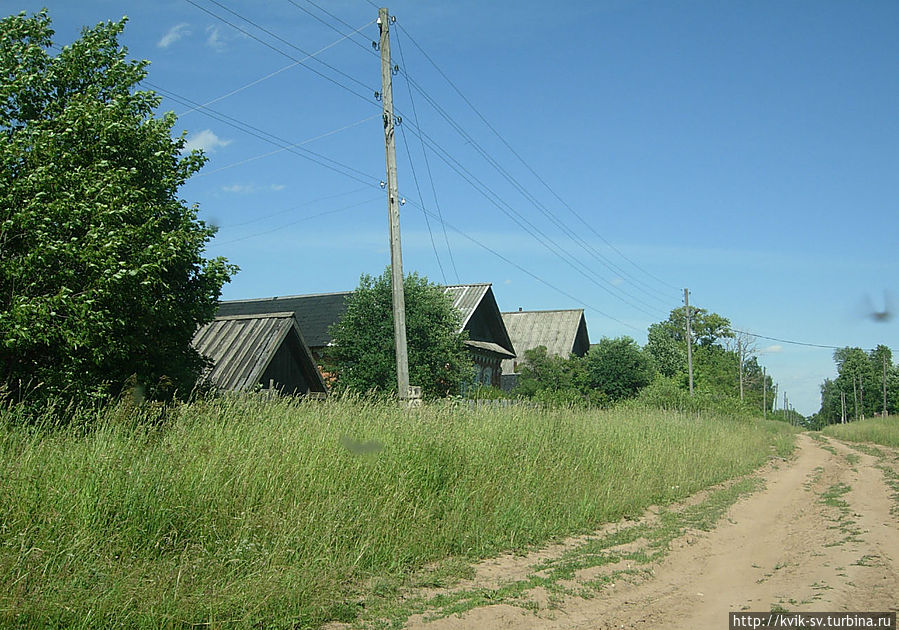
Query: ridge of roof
[
  {"x": 550, "y": 310},
  {"x": 286, "y": 297}
]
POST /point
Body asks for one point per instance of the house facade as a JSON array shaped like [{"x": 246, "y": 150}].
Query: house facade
[{"x": 488, "y": 340}]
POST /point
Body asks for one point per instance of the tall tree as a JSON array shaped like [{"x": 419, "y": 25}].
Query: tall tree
[
  {"x": 363, "y": 348},
  {"x": 101, "y": 267},
  {"x": 617, "y": 367}
]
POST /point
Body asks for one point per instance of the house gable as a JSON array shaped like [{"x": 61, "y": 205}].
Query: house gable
[
  {"x": 265, "y": 349},
  {"x": 562, "y": 332}
]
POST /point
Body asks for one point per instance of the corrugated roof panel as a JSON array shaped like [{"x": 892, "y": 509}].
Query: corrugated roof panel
[
  {"x": 240, "y": 347},
  {"x": 557, "y": 330},
  {"x": 466, "y": 298}
]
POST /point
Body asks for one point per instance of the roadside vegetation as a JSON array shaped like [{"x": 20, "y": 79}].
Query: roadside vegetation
[
  {"x": 883, "y": 431},
  {"x": 251, "y": 510}
]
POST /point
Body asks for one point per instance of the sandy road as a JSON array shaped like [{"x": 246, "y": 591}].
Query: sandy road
[{"x": 819, "y": 537}]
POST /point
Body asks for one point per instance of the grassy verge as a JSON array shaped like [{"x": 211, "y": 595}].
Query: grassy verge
[
  {"x": 251, "y": 512},
  {"x": 884, "y": 431}
]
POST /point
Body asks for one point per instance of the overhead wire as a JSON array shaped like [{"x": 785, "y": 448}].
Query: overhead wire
[
  {"x": 521, "y": 221},
  {"x": 295, "y": 144},
  {"x": 300, "y": 220},
  {"x": 533, "y": 171},
  {"x": 368, "y": 49},
  {"x": 427, "y": 220},
  {"x": 281, "y": 52},
  {"x": 428, "y": 167},
  {"x": 276, "y": 72},
  {"x": 531, "y": 274},
  {"x": 531, "y": 198},
  {"x": 265, "y": 136},
  {"x": 292, "y": 208}
]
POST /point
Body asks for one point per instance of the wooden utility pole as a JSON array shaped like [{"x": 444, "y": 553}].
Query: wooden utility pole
[
  {"x": 393, "y": 208},
  {"x": 842, "y": 407},
  {"x": 740, "y": 359},
  {"x": 884, "y": 385},
  {"x": 765, "y": 392},
  {"x": 855, "y": 396},
  {"x": 689, "y": 339}
]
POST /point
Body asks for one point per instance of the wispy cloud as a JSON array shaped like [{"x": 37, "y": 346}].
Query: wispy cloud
[
  {"x": 174, "y": 34},
  {"x": 245, "y": 189},
  {"x": 204, "y": 140},
  {"x": 773, "y": 349},
  {"x": 214, "y": 38}
]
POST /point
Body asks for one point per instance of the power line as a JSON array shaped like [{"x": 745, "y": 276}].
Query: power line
[
  {"x": 530, "y": 197},
  {"x": 427, "y": 220},
  {"x": 529, "y": 273},
  {"x": 292, "y": 208},
  {"x": 300, "y": 220},
  {"x": 428, "y": 167},
  {"x": 295, "y": 144},
  {"x": 265, "y": 136},
  {"x": 276, "y": 72},
  {"x": 521, "y": 221},
  {"x": 281, "y": 52},
  {"x": 331, "y": 26},
  {"x": 532, "y": 170}
]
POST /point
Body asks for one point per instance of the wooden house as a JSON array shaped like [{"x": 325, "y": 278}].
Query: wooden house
[
  {"x": 315, "y": 313},
  {"x": 488, "y": 340},
  {"x": 265, "y": 350},
  {"x": 562, "y": 332}
]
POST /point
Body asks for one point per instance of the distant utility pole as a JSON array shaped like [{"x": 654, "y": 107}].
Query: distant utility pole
[
  {"x": 884, "y": 385},
  {"x": 764, "y": 393},
  {"x": 842, "y": 407},
  {"x": 393, "y": 207},
  {"x": 689, "y": 339}
]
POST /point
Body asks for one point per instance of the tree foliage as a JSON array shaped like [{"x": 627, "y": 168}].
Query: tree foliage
[
  {"x": 613, "y": 370},
  {"x": 101, "y": 269},
  {"x": 364, "y": 352},
  {"x": 618, "y": 368},
  {"x": 860, "y": 381}
]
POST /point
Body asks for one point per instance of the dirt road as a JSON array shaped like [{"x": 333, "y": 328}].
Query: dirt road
[{"x": 819, "y": 533}]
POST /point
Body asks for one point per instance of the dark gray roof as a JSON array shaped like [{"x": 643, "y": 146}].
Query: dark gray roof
[
  {"x": 314, "y": 313},
  {"x": 563, "y": 332},
  {"x": 241, "y": 347}
]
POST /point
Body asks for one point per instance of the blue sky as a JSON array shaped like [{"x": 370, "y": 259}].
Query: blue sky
[{"x": 746, "y": 150}]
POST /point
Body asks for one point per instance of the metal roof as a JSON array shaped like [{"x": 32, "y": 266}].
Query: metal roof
[
  {"x": 557, "y": 330},
  {"x": 314, "y": 313},
  {"x": 242, "y": 346},
  {"x": 467, "y": 298}
]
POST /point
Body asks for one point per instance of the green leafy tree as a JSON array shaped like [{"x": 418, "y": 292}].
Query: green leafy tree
[
  {"x": 669, "y": 354},
  {"x": 707, "y": 328},
  {"x": 617, "y": 367},
  {"x": 363, "y": 350},
  {"x": 101, "y": 269},
  {"x": 541, "y": 371}
]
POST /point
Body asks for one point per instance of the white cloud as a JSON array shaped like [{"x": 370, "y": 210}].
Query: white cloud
[
  {"x": 214, "y": 38},
  {"x": 773, "y": 349},
  {"x": 245, "y": 189},
  {"x": 174, "y": 34},
  {"x": 204, "y": 140}
]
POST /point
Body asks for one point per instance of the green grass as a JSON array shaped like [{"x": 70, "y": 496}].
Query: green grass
[
  {"x": 251, "y": 512},
  {"x": 883, "y": 431}
]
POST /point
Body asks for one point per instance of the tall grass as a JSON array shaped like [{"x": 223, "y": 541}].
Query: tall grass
[
  {"x": 246, "y": 510},
  {"x": 883, "y": 431}
]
